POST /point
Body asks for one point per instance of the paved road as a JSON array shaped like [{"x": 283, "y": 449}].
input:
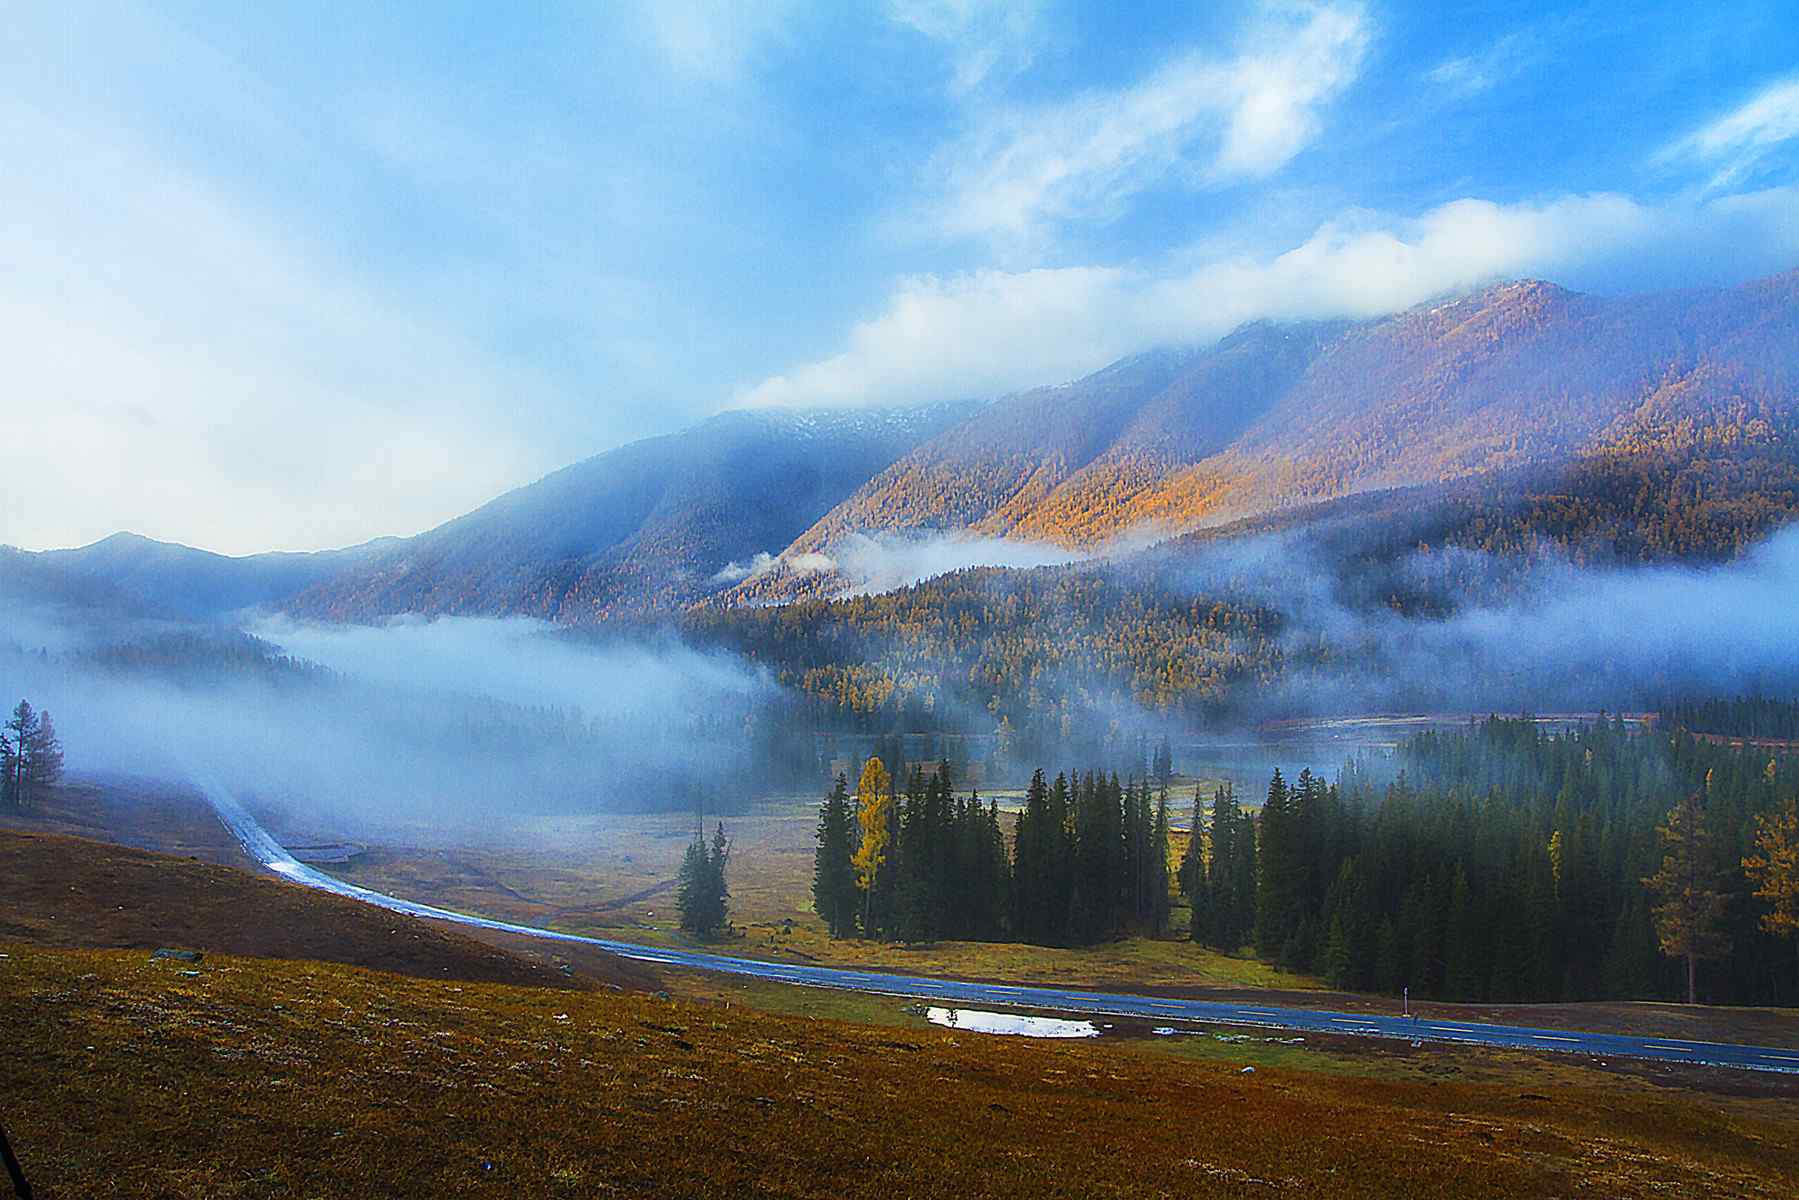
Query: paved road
[{"x": 266, "y": 850}]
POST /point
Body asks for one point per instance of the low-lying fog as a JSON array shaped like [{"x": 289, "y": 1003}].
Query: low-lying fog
[
  {"x": 1546, "y": 635},
  {"x": 449, "y": 727},
  {"x": 435, "y": 728}
]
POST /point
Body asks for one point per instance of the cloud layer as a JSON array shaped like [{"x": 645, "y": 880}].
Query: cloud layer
[{"x": 994, "y": 331}]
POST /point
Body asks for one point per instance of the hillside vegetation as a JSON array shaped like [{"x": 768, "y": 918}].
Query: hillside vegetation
[
  {"x": 1678, "y": 391},
  {"x": 72, "y": 892},
  {"x": 265, "y": 1078}
]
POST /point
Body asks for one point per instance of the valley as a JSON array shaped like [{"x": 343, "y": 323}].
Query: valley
[{"x": 968, "y": 598}]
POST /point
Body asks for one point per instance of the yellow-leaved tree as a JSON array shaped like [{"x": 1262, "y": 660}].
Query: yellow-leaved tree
[
  {"x": 874, "y": 800},
  {"x": 1775, "y": 869}
]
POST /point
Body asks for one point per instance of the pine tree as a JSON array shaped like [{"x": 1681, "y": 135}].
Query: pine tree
[
  {"x": 1158, "y": 868},
  {"x": 46, "y": 753},
  {"x": 999, "y": 874},
  {"x": 1059, "y": 897},
  {"x": 719, "y": 893},
  {"x": 1164, "y": 764},
  {"x": 1629, "y": 970},
  {"x": 1465, "y": 960},
  {"x": 691, "y": 885},
  {"x": 1231, "y": 876},
  {"x": 834, "y": 894},
  {"x": 1690, "y": 911},
  {"x": 1338, "y": 960},
  {"x": 1031, "y": 864},
  {"x": 702, "y": 894},
  {"x": 15, "y": 752},
  {"x": 1386, "y": 958},
  {"x": 1278, "y": 857}
]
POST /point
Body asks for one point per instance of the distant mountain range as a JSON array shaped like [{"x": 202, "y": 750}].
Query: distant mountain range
[{"x": 1669, "y": 422}]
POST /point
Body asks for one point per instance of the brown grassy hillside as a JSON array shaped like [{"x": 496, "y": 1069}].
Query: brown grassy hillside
[
  {"x": 260, "y": 1078},
  {"x": 72, "y": 892}
]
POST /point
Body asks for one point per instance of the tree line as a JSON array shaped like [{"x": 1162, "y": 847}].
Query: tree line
[
  {"x": 1500, "y": 862},
  {"x": 1088, "y": 860},
  {"x": 1503, "y": 863},
  {"x": 30, "y": 757}
]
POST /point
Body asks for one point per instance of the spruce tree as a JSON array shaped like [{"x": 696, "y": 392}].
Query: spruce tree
[
  {"x": 1276, "y": 917},
  {"x": 834, "y": 894},
  {"x": 1032, "y": 865},
  {"x": 1338, "y": 960},
  {"x": 1464, "y": 957},
  {"x": 1158, "y": 868},
  {"x": 702, "y": 894}
]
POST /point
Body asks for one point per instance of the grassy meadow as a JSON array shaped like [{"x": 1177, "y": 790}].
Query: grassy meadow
[{"x": 260, "y": 1078}]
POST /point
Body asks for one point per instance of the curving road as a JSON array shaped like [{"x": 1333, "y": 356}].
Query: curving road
[{"x": 257, "y": 842}]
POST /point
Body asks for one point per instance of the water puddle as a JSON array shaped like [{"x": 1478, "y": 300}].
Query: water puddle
[
  {"x": 977, "y": 1020},
  {"x": 1171, "y": 1031}
]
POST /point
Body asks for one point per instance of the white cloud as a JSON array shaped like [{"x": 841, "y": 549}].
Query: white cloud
[
  {"x": 709, "y": 42},
  {"x": 988, "y": 39},
  {"x": 994, "y": 331},
  {"x": 1737, "y": 142},
  {"x": 735, "y": 572},
  {"x": 1220, "y": 119},
  {"x": 1472, "y": 74},
  {"x": 884, "y": 562},
  {"x": 965, "y": 336}
]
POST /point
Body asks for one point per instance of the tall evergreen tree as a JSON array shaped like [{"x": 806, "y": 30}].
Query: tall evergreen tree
[
  {"x": 1689, "y": 912},
  {"x": 1280, "y": 870},
  {"x": 834, "y": 893},
  {"x": 18, "y": 746},
  {"x": 1164, "y": 764},
  {"x": 1032, "y": 864},
  {"x": 1465, "y": 960},
  {"x": 1158, "y": 866},
  {"x": 702, "y": 894}
]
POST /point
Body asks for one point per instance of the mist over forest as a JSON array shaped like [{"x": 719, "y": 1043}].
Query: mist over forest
[
  {"x": 452, "y": 724},
  {"x": 438, "y": 728}
]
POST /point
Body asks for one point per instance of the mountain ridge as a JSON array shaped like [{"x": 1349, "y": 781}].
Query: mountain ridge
[{"x": 748, "y": 507}]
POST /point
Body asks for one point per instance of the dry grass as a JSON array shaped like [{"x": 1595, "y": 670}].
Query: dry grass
[
  {"x": 613, "y": 876},
  {"x": 270, "y": 1079},
  {"x": 72, "y": 892}
]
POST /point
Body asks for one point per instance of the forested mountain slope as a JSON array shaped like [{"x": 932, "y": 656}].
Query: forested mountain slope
[
  {"x": 651, "y": 524},
  {"x": 1212, "y": 623},
  {"x": 1519, "y": 375}
]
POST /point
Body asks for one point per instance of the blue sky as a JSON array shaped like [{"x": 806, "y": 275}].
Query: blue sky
[{"x": 283, "y": 276}]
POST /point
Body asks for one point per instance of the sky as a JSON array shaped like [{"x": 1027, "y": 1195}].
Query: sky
[{"x": 293, "y": 276}]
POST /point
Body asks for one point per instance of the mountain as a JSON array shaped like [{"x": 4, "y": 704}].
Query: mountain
[
  {"x": 1520, "y": 375},
  {"x": 1665, "y": 425},
  {"x": 130, "y": 574},
  {"x": 654, "y": 524}
]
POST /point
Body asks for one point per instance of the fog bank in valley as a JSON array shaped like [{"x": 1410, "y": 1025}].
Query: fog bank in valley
[
  {"x": 1520, "y": 634},
  {"x": 434, "y": 730}
]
